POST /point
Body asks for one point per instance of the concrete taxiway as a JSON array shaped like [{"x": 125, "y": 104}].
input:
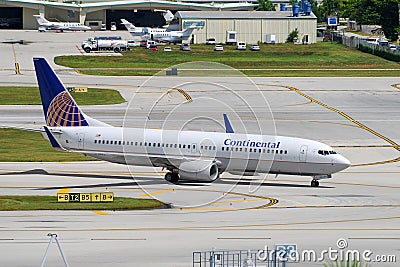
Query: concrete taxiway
[{"x": 357, "y": 116}]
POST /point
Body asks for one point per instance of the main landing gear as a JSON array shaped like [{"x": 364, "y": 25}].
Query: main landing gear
[
  {"x": 171, "y": 177},
  {"x": 314, "y": 183}
]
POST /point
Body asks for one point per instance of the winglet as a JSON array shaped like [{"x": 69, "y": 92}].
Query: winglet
[
  {"x": 53, "y": 141},
  {"x": 228, "y": 126}
]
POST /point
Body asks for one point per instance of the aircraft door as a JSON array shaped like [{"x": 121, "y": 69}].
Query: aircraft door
[
  {"x": 303, "y": 153},
  {"x": 80, "y": 140}
]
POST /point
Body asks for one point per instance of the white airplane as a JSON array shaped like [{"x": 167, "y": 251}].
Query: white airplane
[
  {"x": 160, "y": 34},
  {"x": 187, "y": 155},
  {"x": 62, "y": 26},
  {"x": 140, "y": 31}
]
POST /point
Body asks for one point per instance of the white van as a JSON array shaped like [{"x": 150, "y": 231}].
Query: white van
[
  {"x": 241, "y": 46},
  {"x": 150, "y": 43}
]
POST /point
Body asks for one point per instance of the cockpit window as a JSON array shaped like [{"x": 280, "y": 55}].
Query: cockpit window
[{"x": 326, "y": 152}]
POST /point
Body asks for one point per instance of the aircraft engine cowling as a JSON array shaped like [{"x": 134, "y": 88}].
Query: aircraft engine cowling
[{"x": 199, "y": 170}]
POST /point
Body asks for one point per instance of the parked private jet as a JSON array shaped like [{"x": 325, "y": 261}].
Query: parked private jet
[
  {"x": 62, "y": 26},
  {"x": 140, "y": 31},
  {"x": 160, "y": 34},
  {"x": 187, "y": 155}
]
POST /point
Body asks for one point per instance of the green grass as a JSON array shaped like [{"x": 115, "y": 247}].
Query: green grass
[
  {"x": 14, "y": 95},
  {"x": 345, "y": 263},
  {"x": 8, "y": 203},
  {"x": 280, "y": 56},
  {"x": 25, "y": 146}
]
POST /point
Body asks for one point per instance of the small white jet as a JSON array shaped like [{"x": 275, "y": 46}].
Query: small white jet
[
  {"x": 187, "y": 155},
  {"x": 160, "y": 34},
  {"x": 144, "y": 32},
  {"x": 61, "y": 26}
]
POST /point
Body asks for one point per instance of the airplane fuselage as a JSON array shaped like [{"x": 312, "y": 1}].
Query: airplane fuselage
[{"x": 235, "y": 153}]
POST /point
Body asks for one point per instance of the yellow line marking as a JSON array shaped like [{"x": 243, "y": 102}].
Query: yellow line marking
[
  {"x": 186, "y": 95},
  {"x": 156, "y": 193},
  {"x": 63, "y": 190},
  {"x": 235, "y": 201},
  {"x": 100, "y": 212},
  {"x": 341, "y": 113},
  {"x": 299, "y": 104}
]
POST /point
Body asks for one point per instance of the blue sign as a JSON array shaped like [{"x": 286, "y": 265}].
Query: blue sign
[
  {"x": 197, "y": 23},
  {"x": 332, "y": 21}
]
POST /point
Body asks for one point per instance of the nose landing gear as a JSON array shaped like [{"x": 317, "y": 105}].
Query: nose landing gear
[{"x": 314, "y": 183}]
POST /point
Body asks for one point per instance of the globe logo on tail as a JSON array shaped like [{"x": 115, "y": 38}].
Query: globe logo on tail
[{"x": 64, "y": 112}]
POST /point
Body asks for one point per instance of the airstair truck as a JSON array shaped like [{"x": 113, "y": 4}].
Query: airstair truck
[{"x": 93, "y": 44}]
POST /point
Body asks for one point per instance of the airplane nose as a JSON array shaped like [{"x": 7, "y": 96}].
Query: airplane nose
[{"x": 343, "y": 162}]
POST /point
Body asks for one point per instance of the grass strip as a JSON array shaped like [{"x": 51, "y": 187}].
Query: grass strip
[
  {"x": 321, "y": 56},
  {"x": 14, "y": 203},
  {"x": 25, "y": 146},
  {"x": 16, "y": 95}
]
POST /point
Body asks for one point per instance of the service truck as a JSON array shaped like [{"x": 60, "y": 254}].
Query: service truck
[{"x": 93, "y": 44}]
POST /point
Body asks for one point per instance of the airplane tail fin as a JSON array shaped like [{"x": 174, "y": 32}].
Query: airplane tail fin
[
  {"x": 59, "y": 108},
  {"x": 168, "y": 16},
  {"x": 188, "y": 31},
  {"x": 129, "y": 26},
  {"x": 40, "y": 19}
]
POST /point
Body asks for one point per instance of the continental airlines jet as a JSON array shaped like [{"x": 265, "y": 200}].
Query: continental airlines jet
[{"x": 187, "y": 155}]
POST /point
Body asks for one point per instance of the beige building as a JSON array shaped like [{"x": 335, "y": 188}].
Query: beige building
[{"x": 251, "y": 26}]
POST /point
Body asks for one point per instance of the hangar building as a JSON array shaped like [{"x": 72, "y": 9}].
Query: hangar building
[
  {"x": 251, "y": 26},
  {"x": 18, "y": 14}
]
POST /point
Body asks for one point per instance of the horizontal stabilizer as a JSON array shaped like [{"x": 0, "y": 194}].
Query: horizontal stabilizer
[{"x": 53, "y": 141}]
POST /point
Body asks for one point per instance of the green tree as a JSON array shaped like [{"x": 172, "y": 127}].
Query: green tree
[
  {"x": 293, "y": 35},
  {"x": 366, "y": 12},
  {"x": 316, "y": 10},
  {"x": 265, "y": 5}
]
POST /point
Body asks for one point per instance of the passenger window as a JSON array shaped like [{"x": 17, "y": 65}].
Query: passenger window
[
  {"x": 145, "y": 143},
  {"x": 184, "y": 146},
  {"x": 179, "y": 145},
  {"x": 222, "y": 148},
  {"x": 285, "y": 151},
  {"x": 201, "y": 147},
  {"x": 189, "y": 146},
  {"x": 250, "y": 150},
  {"x": 176, "y": 146},
  {"x": 95, "y": 141},
  {"x": 119, "y": 142},
  {"x": 135, "y": 143},
  {"x": 140, "y": 144},
  {"x": 245, "y": 149},
  {"x": 209, "y": 148},
  {"x": 107, "y": 142},
  {"x": 259, "y": 151}
]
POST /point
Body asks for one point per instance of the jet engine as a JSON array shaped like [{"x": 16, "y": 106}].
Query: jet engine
[{"x": 199, "y": 170}]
